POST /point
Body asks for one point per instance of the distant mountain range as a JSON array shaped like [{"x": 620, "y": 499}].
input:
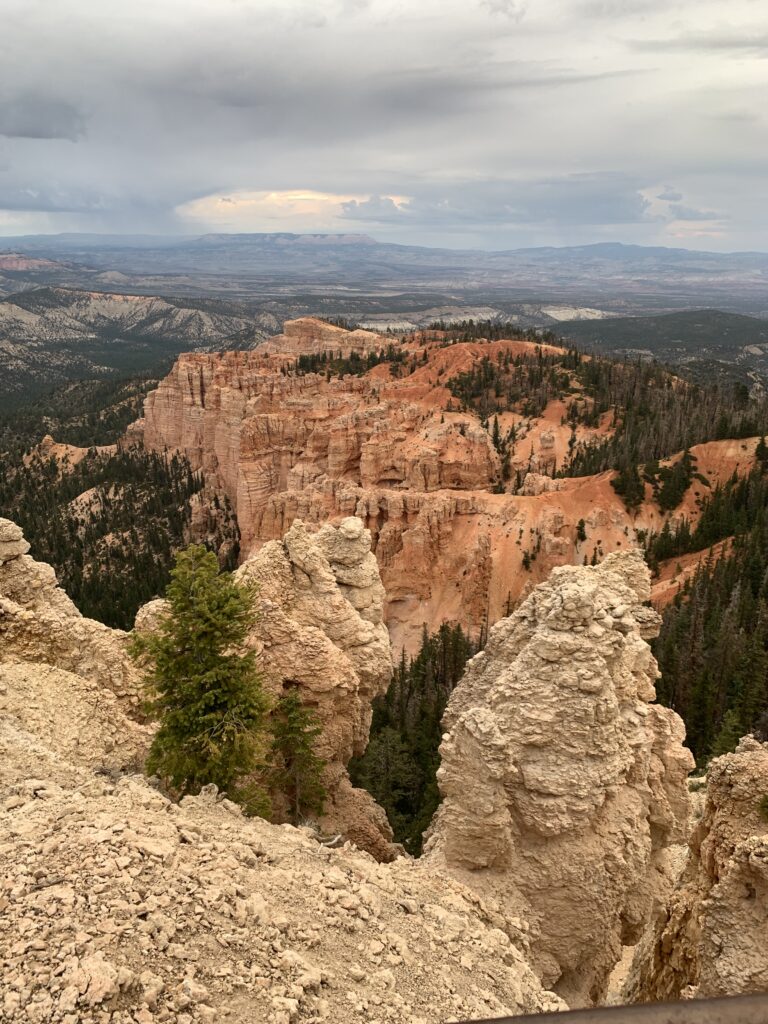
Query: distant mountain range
[
  {"x": 74, "y": 306},
  {"x": 361, "y": 275}
]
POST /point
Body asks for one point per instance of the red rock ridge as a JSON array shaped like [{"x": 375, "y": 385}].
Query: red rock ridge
[{"x": 387, "y": 449}]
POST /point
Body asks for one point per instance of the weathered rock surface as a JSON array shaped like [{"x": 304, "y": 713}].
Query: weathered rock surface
[
  {"x": 320, "y": 628},
  {"x": 310, "y": 336},
  {"x": 39, "y": 623},
  {"x": 119, "y": 906},
  {"x": 711, "y": 937},
  {"x": 562, "y": 785},
  {"x": 76, "y": 719}
]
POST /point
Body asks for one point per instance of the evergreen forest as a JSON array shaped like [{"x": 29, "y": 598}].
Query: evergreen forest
[
  {"x": 109, "y": 524},
  {"x": 400, "y": 763},
  {"x": 713, "y": 646}
]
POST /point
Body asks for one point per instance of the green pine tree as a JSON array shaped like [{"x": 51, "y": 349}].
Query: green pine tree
[
  {"x": 297, "y": 768},
  {"x": 729, "y": 735},
  {"x": 206, "y": 694}
]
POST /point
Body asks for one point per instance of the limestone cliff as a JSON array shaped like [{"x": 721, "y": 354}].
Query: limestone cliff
[
  {"x": 562, "y": 785},
  {"x": 711, "y": 937},
  {"x": 320, "y": 628}
]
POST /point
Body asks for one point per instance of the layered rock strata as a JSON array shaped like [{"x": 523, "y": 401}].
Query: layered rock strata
[
  {"x": 711, "y": 937},
  {"x": 310, "y": 336},
  {"x": 391, "y": 448},
  {"x": 563, "y": 786}
]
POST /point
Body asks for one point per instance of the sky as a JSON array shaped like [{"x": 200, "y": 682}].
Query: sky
[{"x": 462, "y": 123}]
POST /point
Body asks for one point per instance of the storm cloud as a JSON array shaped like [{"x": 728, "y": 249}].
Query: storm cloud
[{"x": 459, "y": 122}]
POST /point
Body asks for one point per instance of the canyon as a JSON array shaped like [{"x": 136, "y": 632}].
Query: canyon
[
  {"x": 391, "y": 447},
  {"x": 52, "y": 335},
  {"x": 565, "y": 805}
]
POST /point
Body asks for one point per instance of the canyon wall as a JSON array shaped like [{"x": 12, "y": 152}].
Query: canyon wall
[
  {"x": 393, "y": 451},
  {"x": 563, "y": 786}
]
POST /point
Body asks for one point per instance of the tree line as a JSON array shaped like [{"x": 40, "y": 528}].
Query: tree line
[
  {"x": 109, "y": 525},
  {"x": 399, "y": 766}
]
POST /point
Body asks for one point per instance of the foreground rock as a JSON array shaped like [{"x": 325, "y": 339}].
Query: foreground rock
[
  {"x": 119, "y": 906},
  {"x": 711, "y": 938},
  {"x": 39, "y": 623},
  {"x": 562, "y": 785},
  {"x": 320, "y": 628}
]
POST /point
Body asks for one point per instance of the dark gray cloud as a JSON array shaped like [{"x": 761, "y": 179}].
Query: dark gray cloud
[
  {"x": 681, "y": 212},
  {"x": 35, "y": 116},
  {"x": 488, "y": 122}
]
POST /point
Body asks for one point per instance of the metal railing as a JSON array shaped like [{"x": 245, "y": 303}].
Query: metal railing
[{"x": 734, "y": 1010}]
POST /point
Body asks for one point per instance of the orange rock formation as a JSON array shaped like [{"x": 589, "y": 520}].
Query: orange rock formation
[{"x": 388, "y": 449}]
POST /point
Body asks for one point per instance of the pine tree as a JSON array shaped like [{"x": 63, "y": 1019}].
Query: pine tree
[
  {"x": 729, "y": 735},
  {"x": 400, "y": 763},
  {"x": 297, "y": 769},
  {"x": 206, "y": 695}
]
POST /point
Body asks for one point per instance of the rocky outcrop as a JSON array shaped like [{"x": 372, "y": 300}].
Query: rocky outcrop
[
  {"x": 711, "y": 937},
  {"x": 39, "y": 623},
  {"x": 120, "y": 905},
  {"x": 562, "y": 785},
  {"x": 320, "y": 628},
  {"x": 56, "y": 718},
  {"x": 310, "y": 336}
]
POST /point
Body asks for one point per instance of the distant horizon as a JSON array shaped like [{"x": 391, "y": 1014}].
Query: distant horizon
[{"x": 368, "y": 236}]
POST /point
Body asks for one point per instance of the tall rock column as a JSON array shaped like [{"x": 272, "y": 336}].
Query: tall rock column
[{"x": 562, "y": 784}]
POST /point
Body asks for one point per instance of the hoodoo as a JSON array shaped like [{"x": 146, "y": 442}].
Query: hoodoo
[
  {"x": 710, "y": 938},
  {"x": 563, "y": 786}
]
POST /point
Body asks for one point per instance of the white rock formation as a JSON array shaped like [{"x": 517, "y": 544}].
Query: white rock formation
[
  {"x": 711, "y": 938},
  {"x": 320, "y": 628},
  {"x": 562, "y": 785},
  {"x": 39, "y": 623},
  {"x": 117, "y": 905}
]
